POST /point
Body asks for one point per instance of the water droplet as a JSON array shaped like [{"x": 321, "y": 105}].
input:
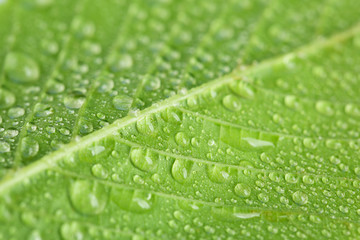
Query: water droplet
[
  {"x": 106, "y": 84},
  {"x": 242, "y": 190},
  {"x": 291, "y": 178},
  {"x": 35, "y": 235},
  {"x": 21, "y": 68},
  {"x": 122, "y": 102},
  {"x": 88, "y": 197},
  {"x": 143, "y": 159},
  {"x": 99, "y": 171},
  {"x": 310, "y": 143},
  {"x": 352, "y": 109},
  {"x": 182, "y": 139},
  {"x": 291, "y": 101},
  {"x": 146, "y": 125},
  {"x": 324, "y": 107},
  {"x": 242, "y": 89},
  {"x": 74, "y": 101},
  {"x": 49, "y": 46},
  {"x": 307, "y": 179},
  {"x": 43, "y": 110},
  {"x": 4, "y": 147},
  {"x": 16, "y": 112},
  {"x": 7, "y": 99},
  {"x": 263, "y": 197},
  {"x": 132, "y": 200},
  {"x": 55, "y": 87},
  {"x": 152, "y": 83},
  {"x": 300, "y": 197},
  {"x": 29, "y": 147},
  {"x": 218, "y": 173},
  {"x": 123, "y": 62},
  {"x": 181, "y": 169},
  {"x": 72, "y": 231},
  {"x": 86, "y": 127},
  {"x": 10, "y": 133},
  {"x": 315, "y": 219},
  {"x": 231, "y": 103}
]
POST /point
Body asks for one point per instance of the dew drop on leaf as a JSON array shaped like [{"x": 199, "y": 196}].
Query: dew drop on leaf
[
  {"x": 143, "y": 159},
  {"x": 16, "y": 112},
  {"x": 29, "y": 147},
  {"x": 99, "y": 171},
  {"x": 88, "y": 197},
  {"x": 7, "y": 98},
  {"x": 4, "y": 147},
  {"x": 300, "y": 197},
  {"x": 20, "y": 68},
  {"x": 242, "y": 190},
  {"x": 231, "y": 103},
  {"x": 122, "y": 102},
  {"x": 132, "y": 200},
  {"x": 182, "y": 139},
  {"x": 181, "y": 170}
]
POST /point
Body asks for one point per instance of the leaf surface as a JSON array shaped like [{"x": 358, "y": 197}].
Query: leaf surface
[{"x": 179, "y": 119}]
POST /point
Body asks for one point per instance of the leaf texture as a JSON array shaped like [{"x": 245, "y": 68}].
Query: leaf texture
[{"x": 179, "y": 119}]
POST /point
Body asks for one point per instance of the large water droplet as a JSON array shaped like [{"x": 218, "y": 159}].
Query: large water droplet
[
  {"x": 4, "y": 147},
  {"x": 74, "y": 101},
  {"x": 231, "y": 102},
  {"x": 152, "y": 83},
  {"x": 21, "y": 68},
  {"x": 218, "y": 173},
  {"x": 122, "y": 62},
  {"x": 99, "y": 171},
  {"x": 16, "y": 112},
  {"x": 29, "y": 147},
  {"x": 324, "y": 107},
  {"x": 242, "y": 190},
  {"x": 300, "y": 197},
  {"x": 132, "y": 200},
  {"x": 122, "y": 102},
  {"x": 182, "y": 139},
  {"x": 7, "y": 99},
  {"x": 55, "y": 87},
  {"x": 143, "y": 159},
  {"x": 146, "y": 125},
  {"x": 88, "y": 197},
  {"x": 72, "y": 231},
  {"x": 242, "y": 89},
  {"x": 181, "y": 170}
]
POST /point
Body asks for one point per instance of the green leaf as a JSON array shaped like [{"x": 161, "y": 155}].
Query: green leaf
[{"x": 167, "y": 119}]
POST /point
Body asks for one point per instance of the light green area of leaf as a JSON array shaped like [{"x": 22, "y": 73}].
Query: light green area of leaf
[{"x": 179, "y": 119}]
